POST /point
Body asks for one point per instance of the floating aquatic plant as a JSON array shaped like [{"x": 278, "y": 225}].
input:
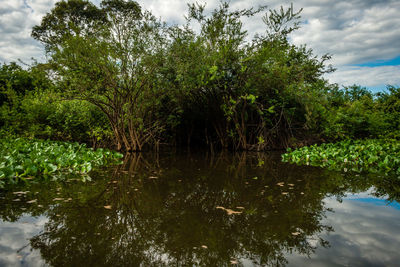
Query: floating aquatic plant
[
  {"x": 371, "y": 155},
  {"x": 26, "y": 159}
]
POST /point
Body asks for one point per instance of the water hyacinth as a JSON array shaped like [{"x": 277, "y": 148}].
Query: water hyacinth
[
  {"x": 26, "y": 159},
  {"x": 371, "y": 155}
]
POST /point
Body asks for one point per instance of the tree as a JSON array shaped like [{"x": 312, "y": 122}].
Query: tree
[
  {"x": 250, "y": 94},
  {"x": 111, "y": 57}
]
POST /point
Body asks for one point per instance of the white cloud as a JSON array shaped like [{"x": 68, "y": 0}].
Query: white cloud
[
  {"x": 353, "y": 31},
  {"x": 15, "y": 238},
  {"x": 366, "y": 76},
  {"x": 360, "y": 237}
]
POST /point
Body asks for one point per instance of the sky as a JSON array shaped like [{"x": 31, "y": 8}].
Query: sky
[{"x": 363, "y": 36}]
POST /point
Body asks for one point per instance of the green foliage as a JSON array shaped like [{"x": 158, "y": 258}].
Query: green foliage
[
  {"x": 33, "y": 107},
  {"x": 354, "y": 112},
  {"x": 119, "y": 77},
  {"x": 239, "y": 90},
  {"x": 371, "y": 155},
  {"x": 111, "y": 57},
  {"x": 24, "y": 159}
]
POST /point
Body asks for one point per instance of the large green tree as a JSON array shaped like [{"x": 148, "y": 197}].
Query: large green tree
[
  {"x": 109, "y": 56},
  {"x": 248, "y": 93}
]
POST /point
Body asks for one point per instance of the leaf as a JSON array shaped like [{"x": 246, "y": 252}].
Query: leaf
[{"x": 107, "y": 207}]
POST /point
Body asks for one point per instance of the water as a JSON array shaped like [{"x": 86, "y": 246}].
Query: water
[{"x": 200, "y": 209}]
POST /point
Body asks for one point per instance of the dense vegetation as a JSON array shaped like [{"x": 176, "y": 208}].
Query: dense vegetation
[
  {"x": 118, "y": 77},
  {"x": 25, "y": 159},
  {"x": 372, "y": 155}
]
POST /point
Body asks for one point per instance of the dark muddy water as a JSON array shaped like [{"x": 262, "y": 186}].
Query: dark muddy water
[{"x": 199, "y": 209}]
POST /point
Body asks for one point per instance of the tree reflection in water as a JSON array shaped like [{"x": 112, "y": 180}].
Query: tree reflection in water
[{"x": 164, "y": 211}]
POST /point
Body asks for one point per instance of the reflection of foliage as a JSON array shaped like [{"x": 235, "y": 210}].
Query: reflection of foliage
[{"x": 164, "y": 211}]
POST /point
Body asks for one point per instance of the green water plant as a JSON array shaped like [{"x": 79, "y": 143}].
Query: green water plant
[
  {"x": 371, "y": 155},
  {"x": 24, "y": 159}
]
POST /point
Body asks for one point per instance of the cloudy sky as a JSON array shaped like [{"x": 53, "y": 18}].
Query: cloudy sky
[{"x": 363, "y": 36}]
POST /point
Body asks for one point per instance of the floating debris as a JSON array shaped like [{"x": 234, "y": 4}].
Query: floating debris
[
  {"x": 295, "y": 233},
  {"x": 281, "y": 184},
  {"x": 290, "y": 184},
  {"x": 107, "y": 207},
  {"x": 153, "y": 177},
  {"x": 234, "y": 262},
  {"x": 58, "y": 199},
  {"x": 229, "y": 211},
  {"x": 21, "y": 193},
  {"x": 32, "y": 201},
  {"x": 204, "y": 246},
  {"x": 285, "y": 193}
]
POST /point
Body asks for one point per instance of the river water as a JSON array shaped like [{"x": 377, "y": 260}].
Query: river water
[{"x": 203, "y": 209}]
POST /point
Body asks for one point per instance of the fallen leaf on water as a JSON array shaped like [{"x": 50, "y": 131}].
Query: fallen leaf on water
[
  {"x": 285, "y": 193},
  {"x": 153, "y": 177},
  {"x": 58, "y": 198},
  {"x": 204, "y": 246},
  {"x": 280, "y": 184},
  {"x": 302, "y": 193},
  {"x": 295, "y": 233},
  {"x": 19, "y": 256},
  {"x": 20, "y": 193},
  {"x": 234, "y": 262},
  {"x": 17, "y": 199},
  {"x": 32, "y": 201},
  {"x": 40, "y": 206},
  {"x": 107, "y": 207},
  {"x": 230, "y": 212},
  {"x": 290, "y": 184},
  {"x": 240, "y": 208}
]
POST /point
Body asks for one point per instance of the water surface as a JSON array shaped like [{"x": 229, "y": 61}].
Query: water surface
[{"x": 202, "y": 209}]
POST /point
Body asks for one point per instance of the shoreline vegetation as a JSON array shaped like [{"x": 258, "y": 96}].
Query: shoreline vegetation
[
  {"x": 117, "y": 77},
  {"x": 370, "y": 155},
  {"x": 28, "y": 160}
]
